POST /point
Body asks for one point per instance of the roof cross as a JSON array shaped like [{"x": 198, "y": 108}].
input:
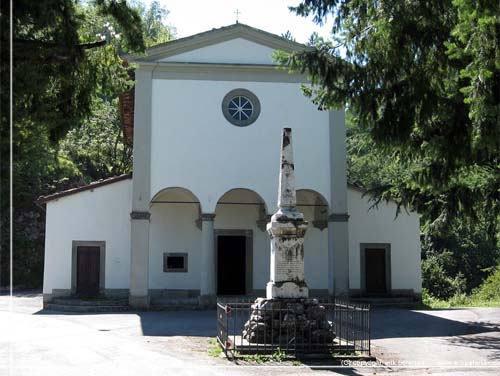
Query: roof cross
[{"x": 237, "y": 12}]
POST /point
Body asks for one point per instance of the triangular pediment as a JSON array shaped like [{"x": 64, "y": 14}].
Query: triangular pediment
[{"x": 234, "y": 44}]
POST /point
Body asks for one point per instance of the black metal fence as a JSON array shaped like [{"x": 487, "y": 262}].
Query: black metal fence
[{"x": 337, "y": 327}]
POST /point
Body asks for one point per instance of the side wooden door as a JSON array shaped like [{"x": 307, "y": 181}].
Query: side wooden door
[
  {"x": 375, "y": 271},
  {"x": 88, "y": 270}
]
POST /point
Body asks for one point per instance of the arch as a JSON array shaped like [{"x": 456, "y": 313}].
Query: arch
[
  {"x": 241, "y": 240},
  {"x": 242, "y": 196},
  {"x": 310, "y": 197},
  {"x": 175, "y": 195},
  {"x": 174, "y": 229},
  {"x": 316, "y": 204}
]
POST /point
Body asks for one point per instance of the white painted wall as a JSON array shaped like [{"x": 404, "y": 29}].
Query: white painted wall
[
  {"x": 380, "y": 226},
  {"x": 315, "y": 252},
  {"x": 173, "y": 229},
  {"x": 102, "y": 214},
  {"x": 235, "y": 51},
  {"x": 244, "y": 217},
  {"x": 195, "y": 147}
]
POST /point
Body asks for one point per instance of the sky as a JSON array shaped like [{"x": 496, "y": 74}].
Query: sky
[{"x": 195, "y": 16}]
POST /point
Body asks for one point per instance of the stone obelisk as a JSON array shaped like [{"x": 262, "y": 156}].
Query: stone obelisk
[
  {"x": 287, "y": 229},
  {"x": 287, "y": 314}
]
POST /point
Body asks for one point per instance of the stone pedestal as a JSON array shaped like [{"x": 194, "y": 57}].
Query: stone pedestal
[
  {"x": 288, "y": 321},
  {"x": 287, "y": 279}
]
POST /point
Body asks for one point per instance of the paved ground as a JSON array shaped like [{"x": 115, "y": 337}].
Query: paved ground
[{"x": 35, "y": 342}]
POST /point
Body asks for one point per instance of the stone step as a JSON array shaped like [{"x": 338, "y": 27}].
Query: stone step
[
  {"x": 383, "y": 301},
  {"x": 174, "y": 301},
  {"x": 85, "y": 308},
  {"x": 90, "y": 302}
]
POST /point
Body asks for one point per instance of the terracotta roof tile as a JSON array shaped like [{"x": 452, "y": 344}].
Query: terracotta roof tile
[{"x": 95, "y": 184}]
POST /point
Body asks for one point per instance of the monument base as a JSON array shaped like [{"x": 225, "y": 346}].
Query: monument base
[
  {"x": 286, "y": 290},
  {"x": 286, "y": 321}
]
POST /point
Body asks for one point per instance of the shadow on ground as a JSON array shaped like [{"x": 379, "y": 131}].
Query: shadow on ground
[
  {"x": 179, "y": 323},
  {"x": 401, "y": 323},
  {"x": 490, "y": 343},
  {"x": 164, "y": 323},
  {"x": 22, "y": 293},
  {"x": 385, "y": 323}
]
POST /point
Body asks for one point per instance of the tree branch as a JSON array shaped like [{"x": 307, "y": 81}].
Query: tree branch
[{"x": 47, "y": 44}]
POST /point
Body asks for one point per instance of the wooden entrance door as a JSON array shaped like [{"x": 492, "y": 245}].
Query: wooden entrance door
[
  {"x": 88, "y": 270},
  {"x": 375, "y": 271},
  {"x": 231, "y": 265}
]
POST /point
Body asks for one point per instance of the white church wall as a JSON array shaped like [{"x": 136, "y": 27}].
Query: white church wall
[
  {"x": 101, "y": 214},
  {"x": 244, "y": 217},
  {"x": 235, "y": 51},
  {"x": 380, "y": 226},
  {"x": 315, "y": 253},
  {"x": 173, "y": 230},
  {"x": 194, "y": 146}
]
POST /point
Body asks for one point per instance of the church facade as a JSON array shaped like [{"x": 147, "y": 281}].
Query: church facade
[{"x": 191, "y": 220}]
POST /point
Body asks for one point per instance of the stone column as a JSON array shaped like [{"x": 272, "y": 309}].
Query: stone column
[
  {"x": 207, "y": 288},
  {"x": 139, "y": 226},
  {"x": 139, "y": 259},
  {"x": 287, "y": 229},
  {"x": 338, "y": 239}
]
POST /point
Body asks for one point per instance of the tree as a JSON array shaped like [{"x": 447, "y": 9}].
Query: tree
[
  {"x": 57, "y": 74},
  {"x": 155, "y": 30},
  {"x": 422, "y": 77},
  {"x": 68, "y": 75},
  {"x": 54, "y": 76},
  {"x": 455, "y": 258}
]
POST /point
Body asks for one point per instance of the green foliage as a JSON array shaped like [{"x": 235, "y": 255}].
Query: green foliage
[
  {"x": 423, "y": 80},
  {"x": 68, "y": 74},
  {"x": 155, "y": 29},
  {"x": 457, "y": 257},
  {"x": 96, "y": 149},
  {"x": 459, "y": 300},
  {"x": 214, "y": 348},
  {"x": 277, "y": 356},
  {"x": 55, "y": 72},
  {"x": 490, "y": 288},
  {"x": 435, "y": 279},
  {"x": 464, "y": 250}
]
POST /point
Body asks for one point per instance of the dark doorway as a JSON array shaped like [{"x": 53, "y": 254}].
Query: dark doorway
[
  {"x": 88, "y": 270},
  {"x": 231, "y": 255},
  {"x": 375, "y": 271}
]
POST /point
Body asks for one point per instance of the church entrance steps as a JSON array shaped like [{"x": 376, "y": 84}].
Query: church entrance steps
[
  {"x": 87, "y": 305},
  {"x": 384, "y": 301},
  {"x": 174, "y": 303}
]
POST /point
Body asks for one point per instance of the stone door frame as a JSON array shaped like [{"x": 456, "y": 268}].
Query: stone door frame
[
  {"x": 248, "y": 234},
  {"x": 102, "y": 262},
  {"x": 387, "y": 248}
]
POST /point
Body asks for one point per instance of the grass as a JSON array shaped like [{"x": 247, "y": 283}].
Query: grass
[
  {"x": 459, "y": 301},
  {"x": 486, "y": 295},
  {"x": 214, "y": 348},
  {"x": 276, "y": 357}
]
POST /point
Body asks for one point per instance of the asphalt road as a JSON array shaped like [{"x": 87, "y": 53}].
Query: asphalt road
[{"x": 36, "y": 342}]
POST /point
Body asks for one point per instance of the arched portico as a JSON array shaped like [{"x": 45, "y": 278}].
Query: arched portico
[
  {"x": 241, "y": 243},
  {"x": 175, "y": 248},
  {"x": 315, "y": 209}
]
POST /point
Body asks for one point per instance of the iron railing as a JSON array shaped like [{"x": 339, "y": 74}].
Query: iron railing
[{"x": 343, "y": 329}]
